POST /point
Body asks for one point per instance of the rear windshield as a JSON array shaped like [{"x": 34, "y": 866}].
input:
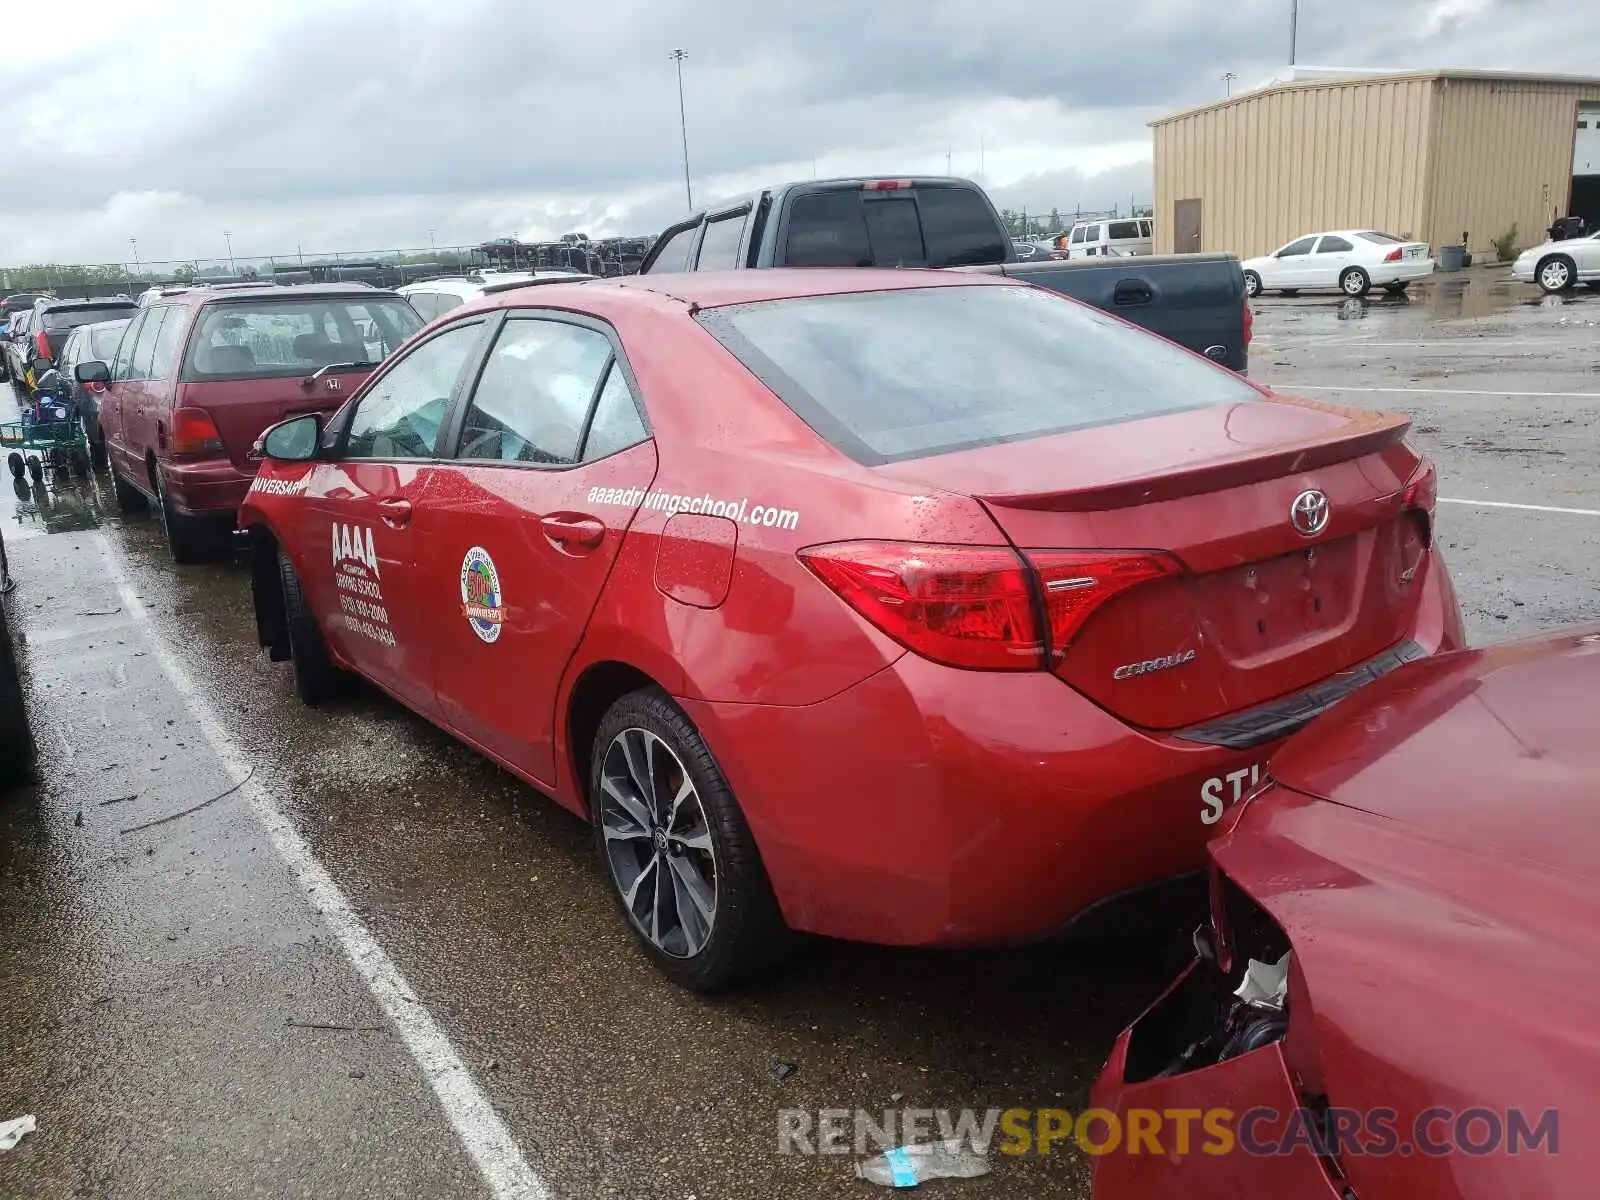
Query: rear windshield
[
  {"x": 58, "y": 320},
  {"x": 926, "y": 226},
  {"x": 260, "y": 339},
  {"x": 887, "y": 376},
  {"x": 103, "y": 340}
]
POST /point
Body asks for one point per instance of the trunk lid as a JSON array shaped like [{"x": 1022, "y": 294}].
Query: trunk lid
[
  {"x": 1264, "y": 609},
  {"x": 243, "y": 409}
]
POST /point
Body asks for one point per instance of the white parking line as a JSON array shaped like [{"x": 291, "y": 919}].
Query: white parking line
[
  {"x": 486, "y": 1139},
  {"x": 1339, "y": 387},
  {"x": 1571, "y": 512}
]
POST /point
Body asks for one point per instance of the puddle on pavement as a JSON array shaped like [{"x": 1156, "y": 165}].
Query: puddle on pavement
[
  {"x": 1444, "y": 299},
  {"x": 61, "y": 503}
]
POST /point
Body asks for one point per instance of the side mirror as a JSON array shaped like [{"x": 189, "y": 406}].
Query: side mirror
[
  {"x": 294, "y": 440},
  {"x": 93, "y": 371}
]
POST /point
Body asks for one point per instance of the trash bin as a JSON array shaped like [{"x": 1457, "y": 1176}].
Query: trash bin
[{"x": 1452, "y": 258}]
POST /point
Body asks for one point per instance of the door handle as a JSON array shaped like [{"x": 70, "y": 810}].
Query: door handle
[
  {"x": 573, "y": 533},
  {"x": 1131, "y": 291},
  {"x": 395, "y": 513}
]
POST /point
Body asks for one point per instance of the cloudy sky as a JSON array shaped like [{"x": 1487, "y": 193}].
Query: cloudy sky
[{"x": 361, "y": 124}]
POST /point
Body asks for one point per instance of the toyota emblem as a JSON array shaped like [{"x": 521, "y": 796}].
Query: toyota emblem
[{"x": 1309, "y": 513}]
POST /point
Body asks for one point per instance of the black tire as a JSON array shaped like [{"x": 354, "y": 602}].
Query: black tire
[
  {"x": 129, "y": 498},
  {"x": 747, "y": 934},
  {"x": 14, "y": 461},
  {"x": 1252, "y": 284},
  {"x": 36, "y": 470},
  {"x": 1354, "y": 282},
  {"x": 188, "y": 539},
  {"x": 315, "y": 676},
  {"x": 1556, "y": 273},
  {"x": 16, "y": 740},
  {"x": 98, "y": 458}
]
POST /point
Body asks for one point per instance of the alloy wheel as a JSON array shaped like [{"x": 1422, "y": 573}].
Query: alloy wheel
[
  {"x": 1555, "y": 275},
  {"x": 658, "y": 843}
]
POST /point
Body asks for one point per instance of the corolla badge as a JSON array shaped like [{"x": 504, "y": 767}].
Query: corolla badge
[
  {"x": 1150, "y": 665},
  {"x": 1309, "y": 513}
]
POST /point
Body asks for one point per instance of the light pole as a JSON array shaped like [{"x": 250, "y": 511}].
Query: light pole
[
  {"x": 134, "y": 242},
  {"x": 431, "y": 246},
  {"x": 227, "y": 236},
  {"x": 1294, "y": 29},
  {"x": 683, "y": 126},
  {"x": 1227, "y": 81}
]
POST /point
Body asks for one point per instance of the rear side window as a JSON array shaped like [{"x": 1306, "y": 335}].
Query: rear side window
[
  {"x": 616, "y": 423},
  {"x": 137, "y": 365},
  {"x": 1124, "y": 230},
  {"x": 958, "y": 228},
  {"x": 719, "y": 249},
  {"x": 674, "y": 255},
  {"x": 827, "y": 229},
  {"x": 1333, "y": 245},
  {"x": 886, "y": 376},
  {"x": 59, "y": 320},
  {"x": 164, "y": 355},
  {"x": 130, "y": 338},
  {"x": 263, "y": 339},
  {"x": 534, "y": 394}
]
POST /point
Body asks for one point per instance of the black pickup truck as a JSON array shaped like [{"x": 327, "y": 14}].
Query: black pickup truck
[{"x": 1196, "y": 300}]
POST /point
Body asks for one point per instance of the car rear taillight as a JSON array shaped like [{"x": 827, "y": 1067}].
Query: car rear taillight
[
  {"x": 1395, "y": 255},
  {"x": 965, "y": 606},
  {"x": 1249, "y": 324},
  {"x": 1422, "y": 489},
  {"x": 978, "y": 607},
  {"x": 1077, "y": 582},
  {"x": 41, "y": 344},
  {"x": 194, "y": 432}
]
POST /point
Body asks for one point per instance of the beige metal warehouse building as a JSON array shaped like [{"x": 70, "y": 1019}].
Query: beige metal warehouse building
[{"x": 1423, "y": 154}]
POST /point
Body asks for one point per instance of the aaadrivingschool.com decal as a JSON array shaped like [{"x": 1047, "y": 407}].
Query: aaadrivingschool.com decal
[
  {"x": 481, "y": 602},
  {"x": 765, "y": 515},
  {"x": 355, "y": 574}
]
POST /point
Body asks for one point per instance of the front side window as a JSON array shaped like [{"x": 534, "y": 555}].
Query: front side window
[
  {"x": 400, "y": 416},
  {"x": 130, "y": 338},
  {"x": 1303, "y": 246},
  {"x": 534, "y": 394},
  {"x": 265, "y": 338},
  {"x": 674, "y": 255}
]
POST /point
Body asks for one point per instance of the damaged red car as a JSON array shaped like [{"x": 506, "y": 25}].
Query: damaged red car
[
  {"x": 903, "y": 606},
  {"x": 1397, "y": 994}
]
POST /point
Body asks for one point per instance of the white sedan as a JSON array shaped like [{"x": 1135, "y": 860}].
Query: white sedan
[
  {"x": 1557, "y": 266},
  {"x": 1352, "y": 261}
]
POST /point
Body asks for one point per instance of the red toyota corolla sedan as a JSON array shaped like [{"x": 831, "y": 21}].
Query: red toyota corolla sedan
[
  {"x": 912, "y": 607},
  {"x": 1415, "y": 897}
]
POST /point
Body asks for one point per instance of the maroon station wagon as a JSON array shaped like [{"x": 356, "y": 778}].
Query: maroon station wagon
[{"x": 198, "y": 376}]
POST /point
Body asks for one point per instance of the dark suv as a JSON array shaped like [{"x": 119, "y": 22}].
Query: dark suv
[
  {"x": 41, "y": 343},
  {"x": 197, "y": 377}
]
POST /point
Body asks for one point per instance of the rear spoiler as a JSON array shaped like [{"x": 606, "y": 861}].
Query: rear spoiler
[{"x": 1366, "y": 434}]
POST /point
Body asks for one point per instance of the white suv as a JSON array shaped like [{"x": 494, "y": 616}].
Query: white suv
[
  {"x": 1104, "y": 236},
  {"x": 435, "y": 297}
]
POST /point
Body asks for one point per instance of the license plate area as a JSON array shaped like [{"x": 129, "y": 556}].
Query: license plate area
[{"x": 1267, "y": 605}]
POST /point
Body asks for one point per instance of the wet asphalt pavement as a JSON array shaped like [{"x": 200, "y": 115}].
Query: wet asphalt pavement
[{"x": 181, "y": 1016}]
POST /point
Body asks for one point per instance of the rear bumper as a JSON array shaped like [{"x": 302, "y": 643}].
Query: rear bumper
[
  {"x": 1400, "y": 272},
  {"x": 205, "y": 489},
  {"x": 933, "y": 806}
]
